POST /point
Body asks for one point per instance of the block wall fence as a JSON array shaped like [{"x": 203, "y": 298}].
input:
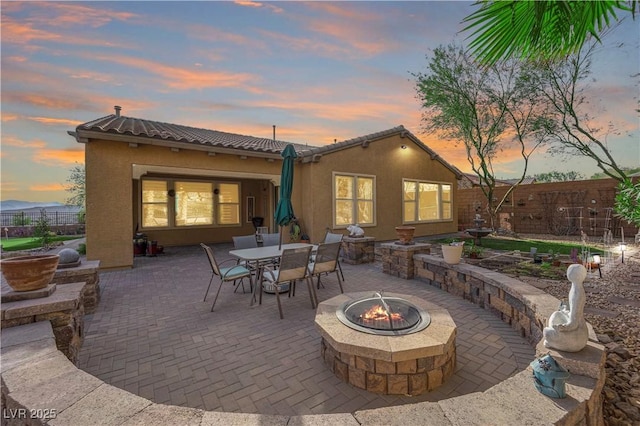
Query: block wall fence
[{"x": 558, "y": 208}]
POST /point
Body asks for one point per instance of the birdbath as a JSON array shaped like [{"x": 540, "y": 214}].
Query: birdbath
[{"x": 479, "y": 231}]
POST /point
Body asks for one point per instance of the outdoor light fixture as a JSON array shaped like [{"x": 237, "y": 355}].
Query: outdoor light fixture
[
  {"x": 403, "y": 146},
  {"x": 623, "y": 247},
  {"x": 597, "y": 260}
]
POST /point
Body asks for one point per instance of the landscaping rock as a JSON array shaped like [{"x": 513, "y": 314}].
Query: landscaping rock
[{"x": 68, "y": 255}]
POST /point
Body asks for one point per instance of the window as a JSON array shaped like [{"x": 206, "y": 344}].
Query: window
[
  {"x": 426, "y": 201},
  {"x": 154, "y": 204},
  {"x": 229, "y": 204},
  {"x": 168, "y": 203},
  {"x": 194, "y": 203},
  {"x": 354, "y": 200}
]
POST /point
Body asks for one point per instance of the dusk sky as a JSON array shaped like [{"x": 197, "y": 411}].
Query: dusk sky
[{"x": 319, "y": 71}]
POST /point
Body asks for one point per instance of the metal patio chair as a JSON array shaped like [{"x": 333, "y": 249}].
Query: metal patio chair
[
  {"x": 326, "y": 262},
  {"x": 226, "y": 274},
  {"x": 293, "y": 267},
  {"x": 270, "y": 239},
  {"x": 331, "y": 237}
]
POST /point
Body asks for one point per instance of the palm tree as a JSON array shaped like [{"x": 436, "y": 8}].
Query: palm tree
[{"x": 539, "y": 29}]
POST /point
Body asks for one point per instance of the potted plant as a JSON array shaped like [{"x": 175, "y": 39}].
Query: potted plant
[
  {"x": 295, "y": 231},
  {"x": 452, "y": 252},
  {"x": 473, "y": 251},
  {"x": 304, "y": 238}
]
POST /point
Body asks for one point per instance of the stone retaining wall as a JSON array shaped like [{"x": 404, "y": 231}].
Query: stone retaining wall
[
  {"x": 88, "y": 272},
  {"x": 34, "y": 371},
  {"x": 63, "y": 309}
]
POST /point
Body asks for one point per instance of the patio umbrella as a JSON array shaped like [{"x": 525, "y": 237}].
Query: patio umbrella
[{"x": 284, "y": 211}]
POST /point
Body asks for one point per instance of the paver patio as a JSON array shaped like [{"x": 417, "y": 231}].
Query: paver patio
[{"x": 153, "y": 335}]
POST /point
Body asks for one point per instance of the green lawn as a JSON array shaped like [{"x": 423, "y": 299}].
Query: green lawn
[
  {"x": 510, "y": 244},
  {"x": 27, "y": 243}
]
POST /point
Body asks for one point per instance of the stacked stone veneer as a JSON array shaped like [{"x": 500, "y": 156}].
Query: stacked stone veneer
[
  {"x": 358, "y": 250},
  {"x": 527, "y": 310},
  {"x": 409, "y": 364},
  {"x": 410, "y": 377},
  {"x": 63, "y": 308},
  {"x": 87, "y": 272},
  {"x": 397, "y": 259}
]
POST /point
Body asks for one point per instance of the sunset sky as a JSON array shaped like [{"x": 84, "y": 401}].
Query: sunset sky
[{"x": 319, "y": 71}]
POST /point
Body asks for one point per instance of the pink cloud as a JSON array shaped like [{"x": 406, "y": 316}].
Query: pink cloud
[
  {"x": 55, "y": 121},
  {"x": 47, "y": 187},
  {"x": 15, "y": 141},
  {"x": 58, "y": 156},
  {"x": 184, "y": 78}
]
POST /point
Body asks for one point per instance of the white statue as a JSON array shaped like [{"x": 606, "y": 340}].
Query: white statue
[
  {"x": 567, "y": 329},
  {"x": 355, "y": 231}
]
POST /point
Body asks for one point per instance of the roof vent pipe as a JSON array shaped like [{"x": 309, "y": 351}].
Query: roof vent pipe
[
  {"x": 117, "y": 108},
  {"x": 274, "y": 132}
]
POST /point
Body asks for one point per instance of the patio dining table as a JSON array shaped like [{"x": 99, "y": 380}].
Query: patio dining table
[{"x": 259, "y": 255}]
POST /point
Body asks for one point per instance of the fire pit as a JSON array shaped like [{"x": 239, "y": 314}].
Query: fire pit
[
  {"x": 383, "y": 315},
  {"x": 404, "y": 348}
]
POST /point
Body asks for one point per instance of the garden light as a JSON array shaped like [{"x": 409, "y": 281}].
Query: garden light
[
  {"x": 597, "y": 261},
  {"x": 623, "y": 247}
]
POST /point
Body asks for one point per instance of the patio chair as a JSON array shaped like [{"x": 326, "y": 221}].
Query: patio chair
[
  {"x": 270, "y": 240},
  {"x": 245, "y": 242},
  {"x": 293, "y": 267},
  {"x": 326, "y": 262},
  {"x": 331, "y": 237},
  {"x": 226, "y": 274}
]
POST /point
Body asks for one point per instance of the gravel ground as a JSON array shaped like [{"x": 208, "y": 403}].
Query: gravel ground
[{"x": 613, "y": 309}]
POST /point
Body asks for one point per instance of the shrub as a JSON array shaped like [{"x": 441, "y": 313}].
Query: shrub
[{"x": 21, "y": 220}]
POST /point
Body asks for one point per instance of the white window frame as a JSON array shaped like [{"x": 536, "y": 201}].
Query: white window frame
[
  {"x": 354, "y": 176},
  {"x": 171, "y": 211},
  {"x": 441, "y": 203}
]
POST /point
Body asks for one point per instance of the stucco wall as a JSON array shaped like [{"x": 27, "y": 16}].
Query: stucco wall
[
  {"x": 113, "y": 192},
  {"x": 386, "y": 160},
  {"x": 112, "y": 197}
]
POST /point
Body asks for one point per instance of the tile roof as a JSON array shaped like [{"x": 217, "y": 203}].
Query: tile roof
[
  {"x": 141, "y": 128},
  {"x": 121, "y": 125}
]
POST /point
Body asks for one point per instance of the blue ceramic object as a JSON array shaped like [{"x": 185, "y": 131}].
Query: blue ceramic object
[{"x": 549, "y": 377}]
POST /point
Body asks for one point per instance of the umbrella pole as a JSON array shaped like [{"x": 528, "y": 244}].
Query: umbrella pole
[{"x": 280, "y": 245}]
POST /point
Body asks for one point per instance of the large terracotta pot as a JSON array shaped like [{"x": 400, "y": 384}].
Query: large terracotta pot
[
  {"x": 405, "y": 234},
  {"x": 26, "y": 273}
]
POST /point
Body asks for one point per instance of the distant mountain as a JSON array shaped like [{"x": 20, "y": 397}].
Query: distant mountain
[{"x": 24, "y": 205}]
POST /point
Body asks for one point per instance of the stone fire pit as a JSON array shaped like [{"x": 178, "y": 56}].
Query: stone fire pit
[{"x": 408, "y": 364}]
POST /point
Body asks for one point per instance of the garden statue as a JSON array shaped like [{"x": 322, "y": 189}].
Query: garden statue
[
  {"x": 567, "y": 329},
  {"x": 355, "y": 231}
]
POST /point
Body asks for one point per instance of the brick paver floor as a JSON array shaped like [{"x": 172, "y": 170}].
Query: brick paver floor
[{"x": 153, "y": 335}]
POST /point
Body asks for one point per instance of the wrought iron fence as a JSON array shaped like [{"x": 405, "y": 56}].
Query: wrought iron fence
[{"x": 54, "y": 218}]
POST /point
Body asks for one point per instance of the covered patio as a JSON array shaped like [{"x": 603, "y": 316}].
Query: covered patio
[{"x": 152, "y": 335}]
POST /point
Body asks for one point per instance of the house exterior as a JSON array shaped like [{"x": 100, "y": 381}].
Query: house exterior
[{"x": 181, "y": 185}]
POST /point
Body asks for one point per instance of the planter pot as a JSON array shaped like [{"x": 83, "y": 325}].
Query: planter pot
[
  {"x": 405, "y": 234},
  {"x": 26, "y": 273},
  {"x": 452, "y": 254}
]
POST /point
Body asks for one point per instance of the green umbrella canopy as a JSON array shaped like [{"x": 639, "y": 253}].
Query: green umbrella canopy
[{"x": 284, "y": 210}]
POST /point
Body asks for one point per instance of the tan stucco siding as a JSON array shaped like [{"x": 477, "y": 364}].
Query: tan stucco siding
[
  {"x": 109, "y": 197},
  {"x": 113, "y": 197},
  {"x": 389, "y": 163}
]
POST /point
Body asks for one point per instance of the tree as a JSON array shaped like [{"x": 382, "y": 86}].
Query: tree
[
  {"x": 628, "y": 202},
  {"x": 561, "y": 84},
  {"x": 556, "y": 176},
  {"x": 486, "y": 109},
  {"x": 627, "y": 170},
  {"x": 539, "y": 29},
  {"x": 76, "y": 186}
]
